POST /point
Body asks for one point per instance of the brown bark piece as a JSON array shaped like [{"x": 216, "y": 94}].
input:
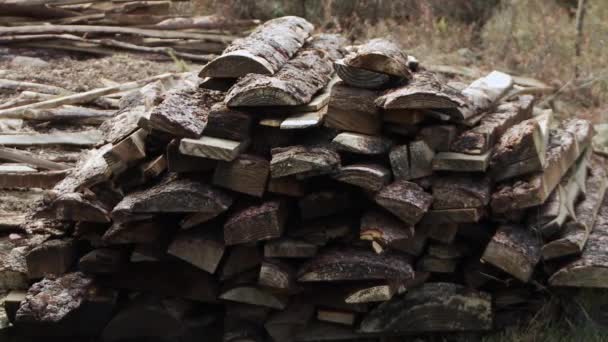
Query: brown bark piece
[
  {"x": 302, "y": 161},
  {"x": 458, "y": 191},
  {"x": 255, "y": 223},
  {"x": 200, "y": 249},
  {"x": 406, "y": 200},
  {"x": 361, "y": 143}
]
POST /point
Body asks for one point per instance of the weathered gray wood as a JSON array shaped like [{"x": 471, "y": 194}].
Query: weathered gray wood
[
  {"x": 353, "y": 109},
  {"x": 420, "y": 159},
  {"x": 400, "y": 162},
  {"x": 52, "y": 258},
  {"x": 336, "y": 316},
  {"x": 21, "y": 156},
  {"x": 574, "y": 237},
  {"x": 589, "y": 270},
  {"x": 515, "y": 250},
  {"x": 372, "y": 177},
  {"x": 87, "y": 138},
  {"x": 382, "y": 56},
  {"x": 295, "y": 83},
  {"x": 305, "y": 120},
  {"x": 456, "y": 191},
  {"x": 212, "y": 148},
  {"x": 372, "y": 293},
  {"x": 256, "y": 223},
  {"x": 361, "y": 143},
  {"x": 451, "y": 307},
  {"x": 479, "y": 139},
  {"x": 439, "y": 137},
  {"x": 388, "y": 232},
  {"x": 127, "y": 152},
  {"x": 361, "y": 78},
  {"x": 247, "y": 174},
  {"x": 74, "y": 206},
  {"x": 303, "y": 161},
  {"x": 277, "y": 275},
  {"x": 466, "y": 215},
  {"x": 174, "y": 195},
  {"x": 226, "y": 123},
  {"x": 406, "y": 200},
  {"x": 355, "y": 264},
  {"x": 460, "y": 162},
  {"x": 179, "y": 162},
  {"x": 13, "y": 268},
  {"x": 283, "y": 325},
  {"x": 199, "y": 248},
  {"x": 264, "y": 51},
  {"x": 562, "y": 153}
]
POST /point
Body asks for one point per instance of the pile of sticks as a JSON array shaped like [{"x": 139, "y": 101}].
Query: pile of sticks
[
  {"x": 105, "y": 27},
  {"x": 276, "y": 201}
]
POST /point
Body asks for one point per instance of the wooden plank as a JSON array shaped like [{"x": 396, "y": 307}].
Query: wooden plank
[
  {"x": 212, "y": 148},
  {"x": 404, "y": 199},
  {"x": 382, "y": 56},
  {"x": 246, "y": 174},
  {"x": 353, "y": 109},
  {"x": 361, "y": 143},
  {"x": 256, "y": 223},
  {"x": 277, "y": 275},
  {"x": 88, "y": 138},
  {"x": 452, "y": 306},
  {"x": 22, "y": 156},
  {"x": 460, "y": 162},
  {"x": 260, "y": 53}
]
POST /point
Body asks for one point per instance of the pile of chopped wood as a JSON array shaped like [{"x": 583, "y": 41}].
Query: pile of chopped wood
[
  {"x": 275, "y": 201},
  {"x": 104, "y": 27}
]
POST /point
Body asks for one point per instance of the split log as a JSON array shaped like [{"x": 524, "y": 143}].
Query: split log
[
  {"x": 361, "y": 143},
  {"x": 174, "y": 195},
  {"x": 225, "y": 123},
  {"x": 400, "y": 162},
  {"x": 87, "y": 138},
  {"x": 324, "y": 203},
  {"x": 127, "y": 152},
  {"x": 201, "y": 249},
  {"x": 466, "y": 215},
  {"x": 184, "y": 112},
  {"x": 492, "y": 126},
  {"x": 91, "y": 169},
  {"x": 589, "y": 270},
  {"x": 388, "y": 232},
  {"x": 563, "y": 151},
  {"x": 420, "y": 159},
  {"x": 322, "y": 231},
  {"x": 295, "y": 82},
  {"x": 212, "y": 148},
  {"x": 574, "y": 237},
  {"x": 452, "y": 308},
  {"x": 460, "y": 162},
  {"x": 103, "y": 261},
  {"x": 84, "y": 115},
  {"x": 217, "y": 83},
  {"x": 439, "y": 137},
  {"x": 515, "y": 250},
  {"x": 382, "y": 56},
  {"x": 372, "y": 177},
  {"x": 75, "y": 206},
  {"x": 178, "y": 162},
  {"x": 353, "y": 109},
  {"x": 443, "y": 232},
  {"x": 406, "y": 200},
  {"x": 354, "y": 264},
  {"x": 460, "y": 191},
  {"x": 289, "y": 248},
  {"x": 12, "y": 302},
  {"x": 305, "y": 120},
  {"x": 246, "y": 174},
  {"x": 255, "y": 223},
  {"x": 52, "y": 258},
  {"x": 303, "y": 161},
  {"x": 255, "y": 296},
  {"x": 361, "y": 78},
  {"x": 277, "y": 276},
  {"x": 261, "y": 52}
]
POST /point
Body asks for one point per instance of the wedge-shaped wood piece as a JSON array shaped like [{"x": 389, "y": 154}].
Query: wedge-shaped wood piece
[
  {"x": 256, "y": 296},
  {"x": 289, "y": 248},
  {"x": 247, "y": 174},
  {"x": 217, "y": 83},
  {"x": 127, "y": 152},
  {"x": 87, "y": 138},
  {"x": 382, "y": 56},
  {"x": 264, "y": 51},
  {"x": 361, "y": 143},
  {"x": 484, "y": 92},
  {"x": 355, "y": 264},
  {"x": 521, "y": 150},
  {"x": 336, "y": 316},
  {"x": 179, "y": 162},
  {"x": 362, "y": 78},
  {"x": 283, "y": 325},
  {"x": 515, "y": 250},
  {"x": 200, "y": 248},
  {"x": 277, "y": 275},
  {"x": 353, "y": 109},
  {"x": 574, "y": 237},
  {"x": 372, "y": 293},
  {"x": 420, "y": 159},
  {"x": 167, "y": 278},
  {"x": 212, "y": 148},
  {"x": 303, "y": 161},
  {"x": 304, "y": 120},
  {"x": 460, "y": 162},
  {"x": 255, "y": 223},
  {"x": 562, "y": 153},
  {"x": 91, "y": 169},
  {"x": 51, "y": 258},
  {"x": 174, "y": 196},
  {"x": 372, "y": 177},
  {"x": 78, "y": 207},
  {"x": 481, "y": 138},
  {"x": 387, "y": 231},
  {"x": 457, "y": 191},
  {"x": 406, "y": 200},
  {"x": 295, "y": 83},
  {"x": 591, "y": 268},
  {"x": 227, "y": 123},
  {"x": 184, "y": 112},
  {"x": 103, "y": 261},
  {"x": 452, "y": 307}
]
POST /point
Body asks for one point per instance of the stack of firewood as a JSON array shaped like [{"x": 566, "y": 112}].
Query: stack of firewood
[
  {"x": 105, "y": 27},
  {"x": 276, "y": 201}
]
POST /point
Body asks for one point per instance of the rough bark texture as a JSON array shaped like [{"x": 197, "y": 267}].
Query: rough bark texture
[
  {"x": 246, "y": 174},
  {"x": 361, "y": 143},
  {"x": 372, "y": 177},
  {"x": 303, "y": 161},
  {"x": 406, "y": 200},
  {"x": 295, "y": 83},
  {"x": 460, "y": 191},
  {"x": 522, "y": 142},
  {"x": 255, "y": 223},
  {"x": 355, "y": 264},
  {"x": 460, "y": 162},
  {"x": 264, "y": 51},
  {"x": 434, "y": 307},
  {"x": 385, "y": 230},
  {"x": 226, "y": 123},
  {"x": 382, "y": 56}
]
